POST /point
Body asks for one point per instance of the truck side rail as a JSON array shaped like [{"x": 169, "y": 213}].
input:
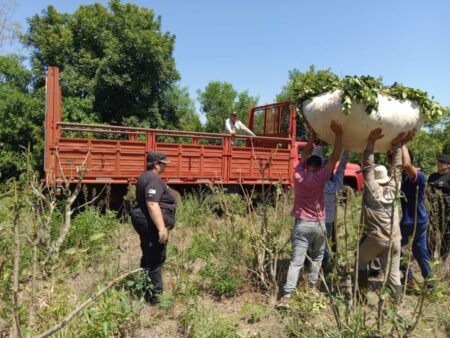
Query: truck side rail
[
  {"x": 133, "y": 131},
  {"x": 121, "y": 161},
  {"x": 121, "y": 157}
]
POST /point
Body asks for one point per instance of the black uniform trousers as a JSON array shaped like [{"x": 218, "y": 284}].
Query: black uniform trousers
[{"x": 153, "y": 253}]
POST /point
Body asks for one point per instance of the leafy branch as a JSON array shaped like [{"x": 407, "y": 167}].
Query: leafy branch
[{"x": 359, "y": 89}]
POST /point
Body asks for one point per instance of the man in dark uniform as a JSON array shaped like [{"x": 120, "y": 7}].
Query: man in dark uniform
[
  {"x": 440, "y": 188},
  {"x": 152, "y": 218}
]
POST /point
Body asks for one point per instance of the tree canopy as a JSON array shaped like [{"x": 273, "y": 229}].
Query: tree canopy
[
  {"x": 219, "y": 99},
  {"x": 22, "y": 116},
  {"x": 117, "y": 57},
  {"x": 116, "y": 66}
]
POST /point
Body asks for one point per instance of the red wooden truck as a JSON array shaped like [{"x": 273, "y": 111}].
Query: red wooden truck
[{"x": 119, "y": 156}]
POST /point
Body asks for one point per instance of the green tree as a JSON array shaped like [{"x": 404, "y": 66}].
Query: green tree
[
  {"x": 432, "y": 140},
  {"x": 219, "y": 99},
  {"x": 243, "y": 105},
  {"x": 179, "y": 110},
  {"x": 117, "y": 57},
  {"x": 425, "y": 147},
  {"x": 22, "y": 116}
]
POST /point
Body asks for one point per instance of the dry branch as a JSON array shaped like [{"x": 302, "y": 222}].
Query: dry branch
[
  {"x": 70, "y": 199},
  {"x": 86, "y": 303}
]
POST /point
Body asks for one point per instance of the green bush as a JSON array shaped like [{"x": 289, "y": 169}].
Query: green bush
[
  {"x": 192, "y": 210},
  {"x": 202, "y": 246},
  {"x": 112, "y": 315},
  {"x": 199, "y": 322},
  {"x": 91, "y": 229},
  {"x": 254, "y": 313},
  {"x": 219, "y": 279}
]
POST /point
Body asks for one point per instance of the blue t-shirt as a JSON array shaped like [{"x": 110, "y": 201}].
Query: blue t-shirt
[{"x": 409, "y": 193}]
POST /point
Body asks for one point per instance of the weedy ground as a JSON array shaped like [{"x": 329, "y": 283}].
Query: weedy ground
[{"x": 227, "y": 260}]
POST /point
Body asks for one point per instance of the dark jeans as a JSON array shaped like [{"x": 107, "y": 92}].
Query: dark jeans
[
  {"x": 153, "y": 253},
  {"x": 419, "y": 248}
]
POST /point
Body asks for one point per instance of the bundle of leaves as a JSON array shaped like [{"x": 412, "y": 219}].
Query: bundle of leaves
[{"x": 359, "y": 89}]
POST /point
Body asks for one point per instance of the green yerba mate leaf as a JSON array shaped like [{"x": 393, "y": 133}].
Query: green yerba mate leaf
[{"x": 359, "y": 89}]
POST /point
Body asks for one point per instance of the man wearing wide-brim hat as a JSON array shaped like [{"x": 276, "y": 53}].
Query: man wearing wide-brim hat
[
  {"x": 440, "y": 189},
  {"x": 381, "y": 215}
]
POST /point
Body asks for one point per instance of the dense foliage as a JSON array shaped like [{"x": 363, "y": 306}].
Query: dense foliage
[
  {"x": 116, "y": 66},
  {"x": 22, "y": 116},
  {"x": 219, "y": 99},
  {"x": 116, "y": 57},
  {"x": 215, "y": 284},
  {"x": 361, "y": 89}
]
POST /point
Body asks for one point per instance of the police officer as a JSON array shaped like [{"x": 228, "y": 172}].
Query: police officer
[
  {"x": 152, "y": 218},
  {"x": 440, "y": 184}
]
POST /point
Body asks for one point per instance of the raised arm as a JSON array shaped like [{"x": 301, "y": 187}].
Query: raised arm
[
  {"x": 396, "y": 162},
  {"x": 369, "y": 162},
  {"x": 337, "y": 148},
  {"x": 336, "y": 184},
  {"x": 408, "y": 167},
  {"x": 339, "y": 175},
  {"x": 309, "y": 146}
]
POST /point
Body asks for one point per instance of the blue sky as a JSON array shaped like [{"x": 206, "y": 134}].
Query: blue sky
[{"x": 253, "y": 44}]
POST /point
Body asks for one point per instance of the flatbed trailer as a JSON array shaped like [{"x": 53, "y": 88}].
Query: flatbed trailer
[
  {"x": 193, "y": 161},
  {"x": 117, "y": 155}
]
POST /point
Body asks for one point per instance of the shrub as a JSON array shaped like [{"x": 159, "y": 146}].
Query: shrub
[
  {"x": 192, "y": 210},
  {"x": 202, "y": 323},
  {"x": 202, "y": 246},
  {"x": 253, "y": 313},
  {"x": 113, "y": 314},
  {"x": 219, "y": 279}
]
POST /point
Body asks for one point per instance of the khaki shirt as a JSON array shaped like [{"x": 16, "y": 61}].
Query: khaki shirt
[{"x": 381, "y": 212}]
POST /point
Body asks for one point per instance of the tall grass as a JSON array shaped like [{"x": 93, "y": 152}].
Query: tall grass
[{"x": 224, "y": 247}]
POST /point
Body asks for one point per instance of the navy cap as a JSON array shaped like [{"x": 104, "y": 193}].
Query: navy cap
[
  {"x": 443, "y": 158},
  {"x": 156, "y": 156}
]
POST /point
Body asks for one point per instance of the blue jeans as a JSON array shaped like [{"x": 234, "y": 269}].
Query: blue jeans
[
  {"x": 419, "y": 248},
  {"x": 306, "y": 236}
]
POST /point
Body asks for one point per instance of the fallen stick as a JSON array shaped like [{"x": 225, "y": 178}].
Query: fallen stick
[{"x": 81, "y": 307}]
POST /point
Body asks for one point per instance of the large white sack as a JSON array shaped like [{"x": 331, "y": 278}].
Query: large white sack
[{"x": 393, "y": 116}]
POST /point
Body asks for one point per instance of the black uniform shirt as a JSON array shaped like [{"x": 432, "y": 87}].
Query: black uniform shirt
[
  {"x": 151, "y": 188},
  {"x": 440, "y": 182}
]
